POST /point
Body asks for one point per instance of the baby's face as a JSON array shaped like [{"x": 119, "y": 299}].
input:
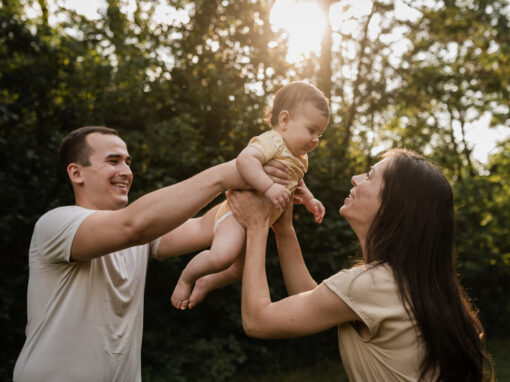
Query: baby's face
[{"x": 303, "y": 128}]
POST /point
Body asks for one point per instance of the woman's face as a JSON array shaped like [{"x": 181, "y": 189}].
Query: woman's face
[{"x": 364, "y": 199}]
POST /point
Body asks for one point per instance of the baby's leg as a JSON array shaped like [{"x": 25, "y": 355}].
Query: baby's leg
[
  {"x": 227, "y": 244},
  {"x": 208, "y": 283},
  {"x": 193, "y": 235}
]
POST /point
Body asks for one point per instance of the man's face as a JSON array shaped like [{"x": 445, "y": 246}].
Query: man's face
[{"x": 106, "y": 182}]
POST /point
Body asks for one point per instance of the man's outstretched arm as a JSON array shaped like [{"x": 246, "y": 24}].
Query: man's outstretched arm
[
  {"x": 197, "y": 233},
  {"x": 153, "y": 214}
]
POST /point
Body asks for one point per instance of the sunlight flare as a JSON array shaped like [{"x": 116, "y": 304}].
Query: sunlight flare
[{"x": 303, "y": 22}]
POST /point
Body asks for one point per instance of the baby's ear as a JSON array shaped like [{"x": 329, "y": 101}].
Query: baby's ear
[{"x": 283, "y": 118}]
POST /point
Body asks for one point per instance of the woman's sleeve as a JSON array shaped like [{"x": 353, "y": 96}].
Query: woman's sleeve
[{"x": 368, "y": 291}]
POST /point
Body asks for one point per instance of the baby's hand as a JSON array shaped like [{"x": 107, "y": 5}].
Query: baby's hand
[
  {"x": 278, "y": 195},
  {"x": 316, "y": 208}
]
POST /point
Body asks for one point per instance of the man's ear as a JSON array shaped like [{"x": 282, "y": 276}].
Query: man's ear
[
  {"x": 74, "y": 173},
  {"x": 283, "y": 119}
]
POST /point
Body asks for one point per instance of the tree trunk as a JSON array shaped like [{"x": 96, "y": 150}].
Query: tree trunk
[
  {"x": 466, "y": 151},
  {"x": 324, "y": 77},
  {"x": 356, "y": 92}
]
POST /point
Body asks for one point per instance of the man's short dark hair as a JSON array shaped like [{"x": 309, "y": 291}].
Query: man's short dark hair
[{"x": 75, "y": 149}]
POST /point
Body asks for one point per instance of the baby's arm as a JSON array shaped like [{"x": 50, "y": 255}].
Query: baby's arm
[
  {"x": 249, "y": 163},
  {"x": 313, "y": 205}
]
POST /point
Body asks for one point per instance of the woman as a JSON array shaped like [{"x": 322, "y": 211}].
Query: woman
[{"x": 402, "y": 314}]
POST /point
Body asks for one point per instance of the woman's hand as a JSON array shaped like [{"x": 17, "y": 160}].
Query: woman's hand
[
  {"x": 299, "y": 193},
  {"x": 249, "y": 209}
]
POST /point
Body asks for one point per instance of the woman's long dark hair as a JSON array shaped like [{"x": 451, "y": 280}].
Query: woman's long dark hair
[{"x": 413, "y": 232}]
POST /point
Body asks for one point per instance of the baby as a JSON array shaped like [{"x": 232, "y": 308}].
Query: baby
[{"x": 298, "y": 118}]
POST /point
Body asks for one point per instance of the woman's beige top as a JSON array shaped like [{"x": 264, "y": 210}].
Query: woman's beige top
[{"x": 394, "y": 349}]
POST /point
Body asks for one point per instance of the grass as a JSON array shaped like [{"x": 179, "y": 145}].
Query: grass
[
  {"x": 334, "y": 371},
  {"x": 324, "y": 371}
]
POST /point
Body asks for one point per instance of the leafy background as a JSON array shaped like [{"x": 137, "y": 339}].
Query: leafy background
[{"x": 186, "y": 96}]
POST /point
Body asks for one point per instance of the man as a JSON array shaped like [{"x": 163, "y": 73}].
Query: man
[{"x": 88, "y": 262}]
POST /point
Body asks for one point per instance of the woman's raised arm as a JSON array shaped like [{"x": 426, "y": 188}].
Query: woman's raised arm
[
  {"x": 295, "y": 272},
  {"x": 298, "y": 315}
]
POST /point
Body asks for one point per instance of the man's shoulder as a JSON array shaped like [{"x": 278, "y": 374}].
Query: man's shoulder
[
  {"x": 62, "y": 212},
  {"x": 54, "y": 232},
  {"x": 60, "y": 216}
]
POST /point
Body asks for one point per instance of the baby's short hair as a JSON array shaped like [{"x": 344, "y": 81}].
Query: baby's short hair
[{"x": 294, "y": 94}]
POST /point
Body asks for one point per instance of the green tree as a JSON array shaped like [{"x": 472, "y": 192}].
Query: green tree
[
  {"x": 483, "y": 228},
  {"x": 450, "y": 81},
  {"x": 187, "y": 95}
]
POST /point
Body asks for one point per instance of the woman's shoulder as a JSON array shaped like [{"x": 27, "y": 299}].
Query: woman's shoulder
[
  {"x": 379, "y": 272},
  {"x": 374, "y": 278},
  {"x": 365, "y": 271}
]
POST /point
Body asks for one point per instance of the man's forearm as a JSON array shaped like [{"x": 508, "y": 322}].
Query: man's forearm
[
  {"x": 152, "y": 215},
  {"x": 161, "y": 211}
]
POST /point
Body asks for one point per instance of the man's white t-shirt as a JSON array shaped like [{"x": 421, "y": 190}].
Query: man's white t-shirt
[{"x": 85, "y": 318}]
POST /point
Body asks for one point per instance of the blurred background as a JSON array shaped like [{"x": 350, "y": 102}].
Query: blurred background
[{"x": 187, "y": 83}]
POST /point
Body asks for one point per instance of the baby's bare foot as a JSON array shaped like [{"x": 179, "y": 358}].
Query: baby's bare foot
[
  {"x": 181, "y": 294},
  {"x": 200, "y": 290}
]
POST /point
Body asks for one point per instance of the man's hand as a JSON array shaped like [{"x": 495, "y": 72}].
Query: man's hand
[
  {"x": 278, "y": 172},
  {"x": 316, "y": 208},
  {"x": 278, "y": 195}
]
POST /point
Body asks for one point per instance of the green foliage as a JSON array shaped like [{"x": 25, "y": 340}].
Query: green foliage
[
  {"x": 449, "y": 81},
  {"x": 500, "y": 352},
  {"x": 483, "y": 213},
  {"x": 186, "y": 96}
]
